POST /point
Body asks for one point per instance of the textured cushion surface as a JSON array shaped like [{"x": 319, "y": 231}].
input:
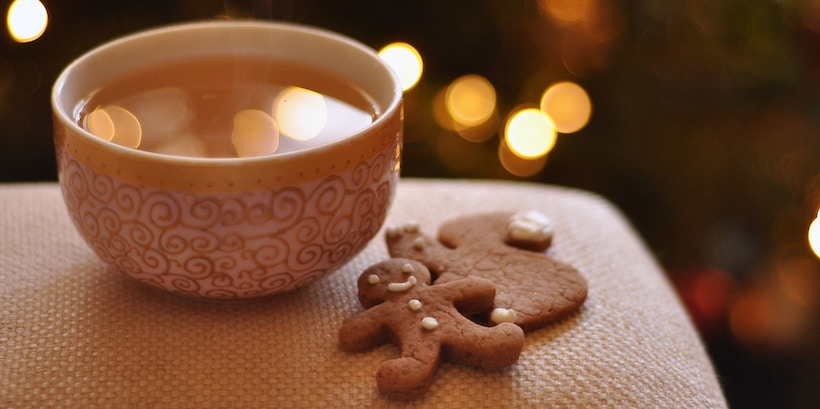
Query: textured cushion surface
[{"x": 75, "y": 333}]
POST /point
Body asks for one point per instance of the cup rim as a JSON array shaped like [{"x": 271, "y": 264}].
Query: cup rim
[{"x": 380, "y": 121}]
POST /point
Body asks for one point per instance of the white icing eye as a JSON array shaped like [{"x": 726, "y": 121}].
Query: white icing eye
[
  {"x": 407, "y": 268},
  {"x": 373, "y": 278},
  {"x": 429, "y": 323},
  {"x": 419, "y": 243}
]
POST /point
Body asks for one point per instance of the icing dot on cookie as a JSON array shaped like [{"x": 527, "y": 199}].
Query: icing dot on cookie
[
  {"x": 429, "y": 323},
  {"x": 414, "y": 304},
  {"x": 373, "y": 278},
  {"x": 500, "y": 315},
  {"x": 419, "y": 243},
  {"x": 407, "y": 268}
]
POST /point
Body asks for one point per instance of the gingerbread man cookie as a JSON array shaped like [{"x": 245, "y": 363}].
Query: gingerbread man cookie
[
  {"x": 533, "y": 288},
  {"x": 427, "y": 323}
]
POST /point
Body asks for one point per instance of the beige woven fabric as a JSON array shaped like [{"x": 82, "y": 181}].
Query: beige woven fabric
[{"x": 75, "y": 334}]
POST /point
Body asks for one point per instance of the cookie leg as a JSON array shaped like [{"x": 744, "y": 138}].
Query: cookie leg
[
  {"x": 405, "y": 378},
  {"x": 492, "y": 348}
]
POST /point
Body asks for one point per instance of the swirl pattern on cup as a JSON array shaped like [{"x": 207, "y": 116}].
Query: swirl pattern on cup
[{"x": 229, "y": 245}]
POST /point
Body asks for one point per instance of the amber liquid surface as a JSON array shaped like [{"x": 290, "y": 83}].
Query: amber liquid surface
[{"x": 226, "y": 107}]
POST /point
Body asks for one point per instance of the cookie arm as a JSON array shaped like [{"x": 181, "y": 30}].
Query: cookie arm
[
  {"x": 471, "y": 295},
  {"x": 363, "y": 331}
]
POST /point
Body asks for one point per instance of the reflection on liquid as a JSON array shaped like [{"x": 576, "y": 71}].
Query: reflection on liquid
[
  {"x": 163, "y": 120},
  {"x": 301, "y": 113},
  {"x": 254, "y": 133},
  {"x": 116, "y": 124}
]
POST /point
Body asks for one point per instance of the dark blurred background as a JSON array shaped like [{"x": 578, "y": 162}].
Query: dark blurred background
[{"x": 705, "y": 131}]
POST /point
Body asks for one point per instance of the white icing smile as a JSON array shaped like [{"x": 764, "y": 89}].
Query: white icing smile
[{"x": 403, "y": 286}]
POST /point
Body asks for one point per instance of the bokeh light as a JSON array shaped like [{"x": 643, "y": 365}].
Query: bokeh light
[
  {"x": 517, "y": 165},
  {"x": 568, "y": 105},
  {"x": 814, "y": 235},
  {"x": 752, "y": 318},
  {"x": 468, "y": 108},
  {"x": 529, "y": 133},
  {"x": 470, "y": 100},
  {"x": 26, "y": 20},
  {"x": 566, "y": 10},
  {"x": 799, "y": 277},
  {"x": 405, "y": 61},
  {"x": 301, "y": 113}
]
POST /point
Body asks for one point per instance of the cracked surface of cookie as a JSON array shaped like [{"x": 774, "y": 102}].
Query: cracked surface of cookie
[
  {"x": 533, "y": 289},
  {"x": 428, "y": 324}
]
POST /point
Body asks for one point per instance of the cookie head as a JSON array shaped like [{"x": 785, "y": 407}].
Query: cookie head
[{"x": 390, "y": 279}]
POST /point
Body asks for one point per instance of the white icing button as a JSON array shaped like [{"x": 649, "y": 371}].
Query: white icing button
[
  {"x": 373, "y": 278},
  {"x": 500, "y": 315},
  {"x": 419, "y": 243},
  {"x": 414, "y": 304},
  {"x": 407, "y": 268},
  {"x": 429, "y": 323},
  {"x": 403, "y": 286}
]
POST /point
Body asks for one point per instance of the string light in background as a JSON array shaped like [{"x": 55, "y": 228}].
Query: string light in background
[
  {"x": 529, "y": 133},
  {"x": 814, "y": 235},
  {"x": 468, "y": 107},
  {"x": 405, "y": 61},
  {"x": 568, "y": 105},
  {"x": 26, "y": 20},
  {"x": 566, "y": 11}
]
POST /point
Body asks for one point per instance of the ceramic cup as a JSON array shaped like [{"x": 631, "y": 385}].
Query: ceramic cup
[{"x": 229, "y": 228}]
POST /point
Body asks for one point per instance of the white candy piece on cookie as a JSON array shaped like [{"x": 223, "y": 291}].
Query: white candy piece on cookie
[
  {"x": 500, "y": 315},
  {"x": 531, "y": 226}
]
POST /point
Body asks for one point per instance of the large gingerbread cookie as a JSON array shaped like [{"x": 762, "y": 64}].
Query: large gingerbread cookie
[
  {"x": 533, "y": 289},
  {"x": 427, "y": 324}
]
